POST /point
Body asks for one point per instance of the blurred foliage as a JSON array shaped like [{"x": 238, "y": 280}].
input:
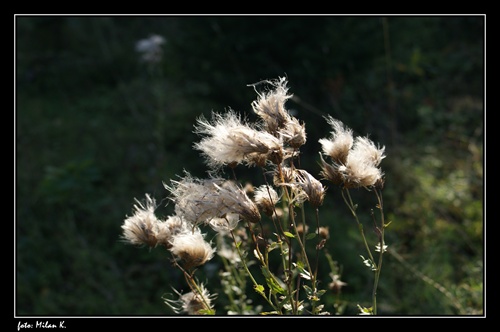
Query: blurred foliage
[{"x": 96, "y": 128}]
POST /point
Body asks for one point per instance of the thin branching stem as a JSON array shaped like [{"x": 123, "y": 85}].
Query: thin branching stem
[
  {"x": 245, "y": 266},
  {"x": 193, "y": 285},
  {"x": 382, "y": 248},
  {"x": 376, "y": 267},
  {"x": 348, "y": 200},
  {"x": 319, "y": 241}
]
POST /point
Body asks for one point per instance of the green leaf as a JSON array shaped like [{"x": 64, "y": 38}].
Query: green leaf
[
  {"x": 259, "y": 289},
  {"x": 368, "y": 262},
  {"x": 273, "y": 246},
  {"x": 310, "y": 236},
  {"x": 210, "y": 312},
  {"x": 267, "y": 313},
  {"x": 365, "y": 311},
  {"x": 265, "y": 272},
  {"x": 272, "y": 281},
  {"x": 308, "y": 290},
  {"x": 303, "y": 272},
  {"x": 288, "y": 234},
  {"x": 275, "y": 287}
]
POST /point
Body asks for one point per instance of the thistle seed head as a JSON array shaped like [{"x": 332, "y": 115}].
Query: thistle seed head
[
  {"x": 227, "y": 140},
  {"x": 192, "y": 249},
  {"x": 141, "y": 227}
]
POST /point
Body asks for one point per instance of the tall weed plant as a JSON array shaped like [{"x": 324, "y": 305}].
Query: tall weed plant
[{"x": 264, "y": 239}]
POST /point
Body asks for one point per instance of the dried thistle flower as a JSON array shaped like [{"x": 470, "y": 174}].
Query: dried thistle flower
[
  {"x": 235, "y": 200},
  {"x": 365, "y": 149},
  {"x": 192, "y": 303},
  {"x": 304, "y": 187},
  {"x": 266, "y": 198},
  {"x": 294, "y": 133},
  {"x": 225, "y": 224},
  {"x": 361, "y": 168},
  {"x": 354, "y": 161},
  {"x": 270, "y": 107},
  {"x": 199, "y": 201},
  {"x": 141, "y": 227},
  {"x": 230, "y": 141},
  {"x": 311, "y": 186},
  {"x": 191, "y": 248},
  {"x": 358, "y": 173},
  {"x": 163, "y": 234},
  {"x": 330, "y": 172},
  {"x": 340, "y": 142},
  {"x": 282, "y": 175},
  {"x": 168, "y": 229}
]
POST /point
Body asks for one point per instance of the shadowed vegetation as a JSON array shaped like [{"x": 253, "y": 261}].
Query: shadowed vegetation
[{"x": 97, "y": 127}]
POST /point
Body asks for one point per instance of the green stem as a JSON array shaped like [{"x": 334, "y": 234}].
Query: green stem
[
  {"x": 376, "y": 266},
  {"x": 319, "y": 241},
  {"x": 250, "y": 274},
  {"x": 193, "y": 285},
  {"x": 350, "y": 204},
  {"x": 382, "y": 250}
]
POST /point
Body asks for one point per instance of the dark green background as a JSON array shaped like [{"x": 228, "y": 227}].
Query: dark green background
[{"x": 96, "y": 128}]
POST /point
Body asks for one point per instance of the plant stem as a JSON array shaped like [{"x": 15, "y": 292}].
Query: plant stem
[
  {"x": 382, "y": 249},
  {"x": 250, "y": 274},
  {"x": 350, "y": 204},
  {"x": 375, "y": 266}
]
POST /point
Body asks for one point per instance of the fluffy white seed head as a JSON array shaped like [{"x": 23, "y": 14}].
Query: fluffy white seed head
[
  {"x": 192, "y": 249},
  {"x": 340, "y": 142},
  {"x": 270, "y": 106},
  {"x": 225, "y": 224},
  {"x": 355, "y": 162},
  {"x": 365, "y": 149},
  {"x": 201, "y": 200},
  {"x": 141, "y": 227},
  {"x": 266, "y": 198},
  {"x": 227, "y": 140},
  {"x": 192, "y": 303},
  {"x": 311, "y": 186},
  {"x": 293, "y": 133}
]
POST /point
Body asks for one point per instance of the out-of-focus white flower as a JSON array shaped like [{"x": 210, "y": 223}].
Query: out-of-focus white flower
[
  {"x": 377, "y": 247},
  {"x": 150, "y": 48},
  {"x": 336, "y": 284}
]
